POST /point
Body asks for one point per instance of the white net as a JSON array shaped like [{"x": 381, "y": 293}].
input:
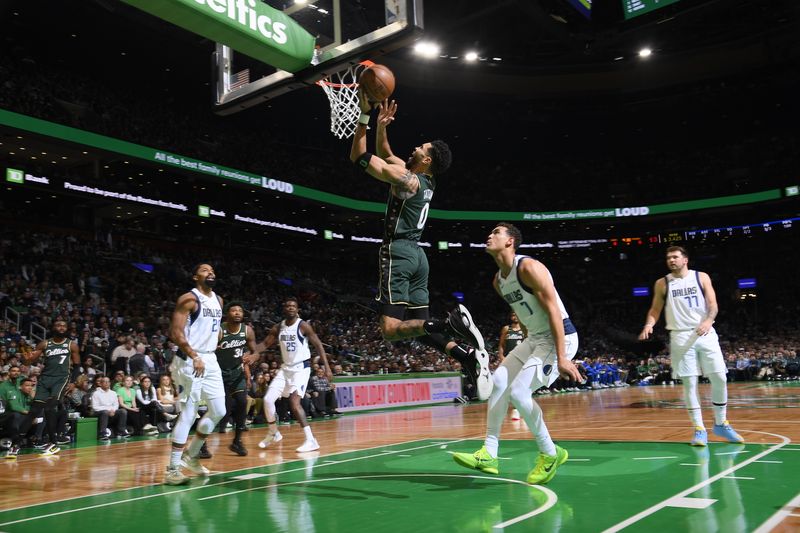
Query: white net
[{"x": 342, "y": 91}]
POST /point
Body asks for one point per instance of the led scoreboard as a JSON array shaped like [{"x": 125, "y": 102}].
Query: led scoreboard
[
  {"x": 747, "y": 229},
  {"x": 634, "y": 8}
]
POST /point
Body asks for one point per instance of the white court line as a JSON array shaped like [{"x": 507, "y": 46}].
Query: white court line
[
  {"x": 303, "y": 468},
  {"x": 657, "y": 507},
  {"x": 773, "y": 462},
  {"x": 737, "y": 477},
  {"x": 654, "y": 458},
  {"x": 777, "y": 518},
  {"x": 578, "y": 459},
  {"x": 731, "y": 453},
  {"x": 552, "y": 499},
  {"x": 690, "y": 464},
  {"x": 794, "y": 514}
]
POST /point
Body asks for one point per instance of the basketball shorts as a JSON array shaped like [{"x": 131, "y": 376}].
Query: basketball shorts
[
  {"x": 537, "y": 354},
  {"x": 403, "y": 274},
  {"x": 206, "y": 387},
  {"x": 693, "y": 355},
  {"x": 50, "y": 387},
  {"x": 234, "y": 380},
  {"x": 292, "y": 378}
]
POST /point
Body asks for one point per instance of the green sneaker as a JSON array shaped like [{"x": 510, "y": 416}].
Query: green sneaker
[
  {"x": 546, "y": 466},
  {"x": 480, "y": 460}
]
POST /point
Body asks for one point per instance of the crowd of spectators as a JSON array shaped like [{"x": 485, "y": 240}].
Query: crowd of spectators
[
  {"x": 734, "y": 149},
  {"x": 119, "y": 317}
]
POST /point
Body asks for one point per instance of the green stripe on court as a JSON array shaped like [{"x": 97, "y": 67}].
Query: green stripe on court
[{"x": 416, "y": 486}]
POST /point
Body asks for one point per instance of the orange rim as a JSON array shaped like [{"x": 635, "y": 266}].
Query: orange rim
[{"x": 366, "y": 63}]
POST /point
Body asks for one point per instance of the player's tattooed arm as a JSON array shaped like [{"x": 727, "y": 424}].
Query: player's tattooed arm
[{"x": 406, "y": 185}]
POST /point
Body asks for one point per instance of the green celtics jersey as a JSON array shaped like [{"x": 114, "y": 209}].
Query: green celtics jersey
[
  {"x": 405, "y": 219},
  {"x": 57, "y": 359},
  {"x": 513, "y": 337},
  {"x": 231, "y": 348}
]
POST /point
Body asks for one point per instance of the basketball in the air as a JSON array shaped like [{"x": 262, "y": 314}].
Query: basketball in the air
[{"x": 378, "y": 82}]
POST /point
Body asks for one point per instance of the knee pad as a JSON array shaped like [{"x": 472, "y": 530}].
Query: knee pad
[
  {"x": 500, "y": 379},
  {"x": 216, "y": 410},
  {"x": 717, "y": 379},
  {"x": 272, "y": 396},
  {"x": 520, "y": 392}
]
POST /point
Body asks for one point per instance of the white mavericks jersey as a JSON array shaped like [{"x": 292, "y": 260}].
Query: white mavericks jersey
[
  {"x": 202, "y": 329},
  {"x": 525, "y": 305},
  {"x": 294, "y": 346},
  {"x": 685, "y": 305}
]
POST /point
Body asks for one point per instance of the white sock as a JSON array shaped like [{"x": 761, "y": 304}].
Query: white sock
[
  {"x": 719, "y": 397},
  {"x": 691, "y": 401},
  {"x": 498, "y": 406},
  {"x": 532, "y": 415},
  {"x": 175, "y": 457},
  {"x": 307, "y": 431},
  {"x": 492, "y": 444}
]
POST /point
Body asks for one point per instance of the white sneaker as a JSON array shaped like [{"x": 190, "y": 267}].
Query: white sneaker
[
  {"x": 271, "y": 438},
  {"x": 515, "y": 414},
  {"x": 309, "y": 446},
  {"x": 192, "y": 464},
  {"x": 174, "y": 476},
  {"x": 148, "y": 427},
  {"x": 484, "y": 381}
]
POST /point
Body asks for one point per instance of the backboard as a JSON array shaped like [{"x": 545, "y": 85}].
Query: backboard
[{"x": 346, "y": 32}]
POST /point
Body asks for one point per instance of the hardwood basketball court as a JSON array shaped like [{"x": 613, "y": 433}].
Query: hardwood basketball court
[{"x": 630, "y": 468}]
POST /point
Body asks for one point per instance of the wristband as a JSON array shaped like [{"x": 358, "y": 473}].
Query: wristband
[{"x": 363, "y": 118}]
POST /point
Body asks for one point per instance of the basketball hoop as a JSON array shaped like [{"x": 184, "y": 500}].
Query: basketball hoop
[{"x": 342, "y": 91}]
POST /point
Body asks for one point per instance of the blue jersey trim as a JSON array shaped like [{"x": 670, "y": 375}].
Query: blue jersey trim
[
  {"x": 519, "y": 280},
  {"x": 196, "y": 313},
  {"x": 699, "y": 285}
]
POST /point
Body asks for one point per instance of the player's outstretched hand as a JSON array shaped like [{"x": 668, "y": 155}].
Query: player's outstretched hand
[
  {"x": 250, "y": 358},
  {"x": 386, "y": 112},
  {"x": 567, "y": 369}
]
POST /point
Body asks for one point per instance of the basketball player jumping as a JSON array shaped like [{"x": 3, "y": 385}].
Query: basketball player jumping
[
  {"x": 548, "y": 348},
  {"x": 691, "y": 306},
  {"x": 403, "y": 266},
  {"x": 293, "y": 334},
  {"x": 234, "y": 335},
  {"x": 195, "y": 328}
]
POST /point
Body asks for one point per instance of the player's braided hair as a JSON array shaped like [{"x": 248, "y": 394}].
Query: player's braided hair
[{"x": 441, "y": 157}]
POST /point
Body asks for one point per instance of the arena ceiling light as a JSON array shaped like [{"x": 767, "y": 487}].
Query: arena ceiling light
[
  {"x": 427, "y": 49},
  {"x": 645, "y": 52},
  {"x": 471, "y": 56}
]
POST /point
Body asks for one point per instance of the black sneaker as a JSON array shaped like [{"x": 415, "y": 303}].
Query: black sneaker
[
  {"x": 41, "y": 445},
  {"x": 63, "y": 439},
  {"x": 204, "y": 453},
  {"x": 461, "y": 323},
  {"x": 238, "y": 448}
]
